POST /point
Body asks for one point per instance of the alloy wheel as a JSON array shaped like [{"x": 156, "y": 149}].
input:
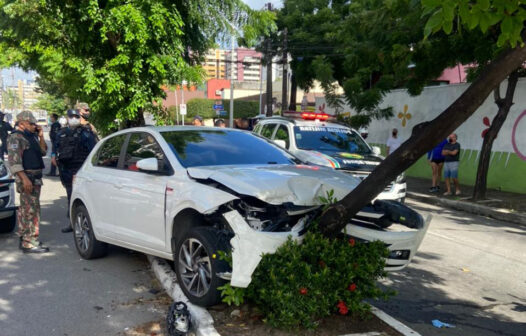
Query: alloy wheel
[
  {"x": 82, "y": 231},
  {"x": 194, "y": 267}
]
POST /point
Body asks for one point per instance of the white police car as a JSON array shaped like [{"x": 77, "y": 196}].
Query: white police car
[
  {"x": 7, "y": 200},
  {"x": 313, "y": 139}
]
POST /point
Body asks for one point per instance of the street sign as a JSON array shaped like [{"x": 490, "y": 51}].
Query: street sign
[
  {"x": 222, "y": 113},
  {"x": 218, "y": 107},
  {"x": 182, "y": 109}
]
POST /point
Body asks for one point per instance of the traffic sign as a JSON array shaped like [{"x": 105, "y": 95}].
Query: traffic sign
[
  {"x": 218, "y": 106},
  {"x": 222, "y": 113},
  {"x": 182, "y": 109}
]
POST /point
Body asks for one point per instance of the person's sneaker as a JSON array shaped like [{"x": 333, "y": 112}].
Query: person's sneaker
[
  {"x": 35, "y": 249},
  {"x": 447, "y": 193},
  {"x": 66, "y": 229},
  {"x": 458, "y": 193},
  {"x": 433, "y": 189}
]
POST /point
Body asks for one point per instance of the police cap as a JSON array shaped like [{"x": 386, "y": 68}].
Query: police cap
[{"x": 73, "y": 112}]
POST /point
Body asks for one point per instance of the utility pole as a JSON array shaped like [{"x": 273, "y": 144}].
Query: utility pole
[
  {"x": 285, "y": 77},
  {"x": 269, "y": 72}
]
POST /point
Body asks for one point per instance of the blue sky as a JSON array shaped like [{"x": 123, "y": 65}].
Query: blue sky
[{"x": 258, "y": 4}]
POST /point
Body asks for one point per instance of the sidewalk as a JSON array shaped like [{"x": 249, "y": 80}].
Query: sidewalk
[{"x": 500, "y": 205}]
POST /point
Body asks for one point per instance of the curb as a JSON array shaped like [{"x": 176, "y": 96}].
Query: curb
[
  {"x": 201, "y": 318},
  {"x": 477, "y": 209},
  {"x": 205, "y": 323}
]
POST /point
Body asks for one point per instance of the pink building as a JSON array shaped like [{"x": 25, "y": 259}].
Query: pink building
[
  {"x": 247, "y": 66},
  {"x": 454, "y": 75}
]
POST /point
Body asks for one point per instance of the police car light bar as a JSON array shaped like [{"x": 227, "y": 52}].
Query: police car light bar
[{"x": 314, "y": 116}]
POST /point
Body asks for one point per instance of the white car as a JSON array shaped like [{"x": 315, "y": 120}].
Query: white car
[
  {"x": 185, "y": 193},
  {"x": 329, "y": 144},
  {"x": 7, "y": 200}
]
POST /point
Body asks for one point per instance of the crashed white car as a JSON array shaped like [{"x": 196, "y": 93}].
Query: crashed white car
[
  {"x": 185, "y": 193},
  {"x": 7, "y": 200}
]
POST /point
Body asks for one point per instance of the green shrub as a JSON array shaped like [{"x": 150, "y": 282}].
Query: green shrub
[
  {"x": 301, "y": 283},
  {"x": 205, "y": 108}
]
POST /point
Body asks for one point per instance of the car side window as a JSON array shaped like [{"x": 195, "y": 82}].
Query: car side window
[
  {"x": 110, "y": 152},
  {"x": 267, "y": 130},
  {"x": 143, "y": 146},
  {"x": 283, "y": 134},
  {"x": 257, "y": 128}
]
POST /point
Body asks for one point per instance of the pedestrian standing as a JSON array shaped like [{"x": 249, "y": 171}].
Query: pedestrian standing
[
  {"x": 220, "y": 123},
  {"x": 55, "y": 127},
  {"x": 85, "y": 114},
  {"x": 25, "y": 152},
  {"x": 198, "y": 121},
  {"x": 393, "y": 142},
  {"x": 5, "y": 129},
  {"x": 451, "y": 152},
  {"x": 73, "y": 145},
  {"x": 436, "y": 160}
]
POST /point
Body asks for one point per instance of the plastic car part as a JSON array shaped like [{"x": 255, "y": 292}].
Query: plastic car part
[{"x": 178, "y": 320}]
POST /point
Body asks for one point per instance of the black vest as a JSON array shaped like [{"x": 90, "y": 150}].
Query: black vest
[
  {"x": 32, "y": 157},
  {"x": 71, "y": 151}
]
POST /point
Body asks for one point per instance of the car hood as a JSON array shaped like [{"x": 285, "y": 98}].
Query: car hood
[
  {"x": 341, "y": 160},
  {"x": 278, "y": 184}
]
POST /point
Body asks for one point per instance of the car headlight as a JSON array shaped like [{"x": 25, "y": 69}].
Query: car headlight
[
  {"x": 3, "y": 169},
  {"x": 400, "y": 178}
]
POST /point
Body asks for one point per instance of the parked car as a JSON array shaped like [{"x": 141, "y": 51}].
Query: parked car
[
  {"x": 312, "y": 138},
  {"x": 7, "y": 200},
  {"x": 185, "y": 193}
]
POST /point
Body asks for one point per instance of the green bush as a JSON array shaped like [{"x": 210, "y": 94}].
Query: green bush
[
  {"x": 301, "y": 283},
  {"x": 205, "y": 108}
]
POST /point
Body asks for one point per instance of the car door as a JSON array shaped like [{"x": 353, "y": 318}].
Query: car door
[
  {"x": 282, "y": 133},
  {"x": 267, "y": 130},
  {"x": 141, "y": 203},
  {"x": 100, "y": 186}
]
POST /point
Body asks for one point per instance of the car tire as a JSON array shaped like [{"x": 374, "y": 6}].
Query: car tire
[
  {"x": 197, "y": 264},
  {"x": 8, "y": 224},
  {"x": 87, "y": 245}
]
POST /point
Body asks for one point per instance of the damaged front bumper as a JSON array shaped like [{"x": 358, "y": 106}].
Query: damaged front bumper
[{"x": 249, "y": 245}]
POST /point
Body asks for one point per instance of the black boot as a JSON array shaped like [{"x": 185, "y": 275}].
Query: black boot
[{"x": 35, "y": 249}]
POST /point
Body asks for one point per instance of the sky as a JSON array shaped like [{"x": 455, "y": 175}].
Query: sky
[{"x": 258, "y": 4}]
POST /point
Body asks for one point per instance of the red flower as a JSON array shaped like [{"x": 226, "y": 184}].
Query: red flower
[
  {"x": 303, "y": 291},
  {"x": 352, "y": 242},
  {"x": 322, "y": 264},
  {"x": 352, "y": 287},
  {"x": 342, "y": 308}
]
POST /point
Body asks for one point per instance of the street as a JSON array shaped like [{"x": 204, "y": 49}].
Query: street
[
  {"x": 60, "y": 294},
  {"x": 469, "y": 272}
]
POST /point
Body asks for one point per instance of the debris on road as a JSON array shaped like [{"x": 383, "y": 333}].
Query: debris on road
[{"x": 440, "y": 324}]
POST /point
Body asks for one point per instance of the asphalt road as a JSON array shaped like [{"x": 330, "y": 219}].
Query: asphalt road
[
  {"x": 470, "y": 271},
  {"x": 60, "y": 294}
]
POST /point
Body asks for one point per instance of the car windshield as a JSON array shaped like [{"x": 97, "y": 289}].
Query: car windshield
[
  {"x": 334, "y": 139},
  {"x": 196, "y": 148}
]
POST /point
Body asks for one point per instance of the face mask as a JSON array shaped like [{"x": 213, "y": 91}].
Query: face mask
[{"x": 73, "y": 122}]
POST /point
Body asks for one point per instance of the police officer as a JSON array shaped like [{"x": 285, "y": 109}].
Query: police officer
[
  {"x": 5, "y": 128},
  {"x": 55, "y": 127},
  {"x": 85, "y": 114},
  {"x": 25, "y": 152},
  {"x": 72, "y": 146}
]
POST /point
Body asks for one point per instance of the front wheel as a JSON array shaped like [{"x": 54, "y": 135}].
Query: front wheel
[
  {"x": 197, "y": 264},
  {"x": 87, "y": 245},
  {"x": 8, "y": 224}
]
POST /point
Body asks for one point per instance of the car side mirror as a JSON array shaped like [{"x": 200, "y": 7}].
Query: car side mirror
[
  {"x": 377, "y": 150},
  {"x": 148, "y": 165},
  {"x": 280, "y": 143}
]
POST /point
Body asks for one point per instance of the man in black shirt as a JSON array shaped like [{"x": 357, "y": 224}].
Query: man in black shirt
[
  {"x": 5, "y": 129},
  {"x": 55, "y": 127},
  {"x": 451, "y": 153}
]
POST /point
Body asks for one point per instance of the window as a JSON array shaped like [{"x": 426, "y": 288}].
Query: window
[
  {"x": 330, "y": 139},
  {"x": 267, "y": 130},
  {"x": 283, "y": 134},
  {"x": 224, "y": 147},
  {"x": 109, "y": 152},
  {"x": 143, "y": 146}
]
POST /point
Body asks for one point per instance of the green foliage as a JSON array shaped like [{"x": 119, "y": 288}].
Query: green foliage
[
  {"x": 328, "y": 199},
  {"x": 506, "y": 18},
  {"x": 51, "y": 104},
  {"x": 10, "y": 99},
  {"x": 302, "y": 283},
  {"x": 116, "y": 55},
  {"x": 232, "y": 295},
  {"x": 205, "y": 108}
]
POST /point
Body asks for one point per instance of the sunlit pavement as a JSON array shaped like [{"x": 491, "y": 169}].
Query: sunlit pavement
[
  {"x": 60, "y": 294},
  {"x": 470, "y": 272}
]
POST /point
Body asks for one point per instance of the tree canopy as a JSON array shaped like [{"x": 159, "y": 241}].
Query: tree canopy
[{"x": 116, "y": 54}]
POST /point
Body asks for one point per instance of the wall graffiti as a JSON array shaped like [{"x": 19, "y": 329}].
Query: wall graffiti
[
  {"x": 405, "y": 116},
  {"x": 514, "y": 135}
]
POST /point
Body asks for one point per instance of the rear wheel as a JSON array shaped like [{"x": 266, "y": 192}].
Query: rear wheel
[
  {"x": 87, "y": 245},
  {"x": 8, "y": 224},
  {"x": 197, "y": 264}
]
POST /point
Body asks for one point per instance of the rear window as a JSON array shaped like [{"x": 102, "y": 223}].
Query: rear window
[
  {"x": 330, "y": 139},
  {"x": 196, "y": 148}
]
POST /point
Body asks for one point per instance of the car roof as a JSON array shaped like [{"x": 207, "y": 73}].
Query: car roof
[
  {"x": 301, "y": 122},
  {"x": 160, "y": 129}
]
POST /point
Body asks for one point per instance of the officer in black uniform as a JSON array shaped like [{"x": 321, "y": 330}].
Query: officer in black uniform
[
  {"x": 5, "y": 128},
  {"x": 55, "y": 127},
  {"x": 72, "y": 146}
]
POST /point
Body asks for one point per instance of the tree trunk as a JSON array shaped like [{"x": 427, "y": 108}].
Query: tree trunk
[
  {"x": 424, "y": 137},
  {"x": 293, "y": 91},
  {"x": 504, "y": 105}
]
